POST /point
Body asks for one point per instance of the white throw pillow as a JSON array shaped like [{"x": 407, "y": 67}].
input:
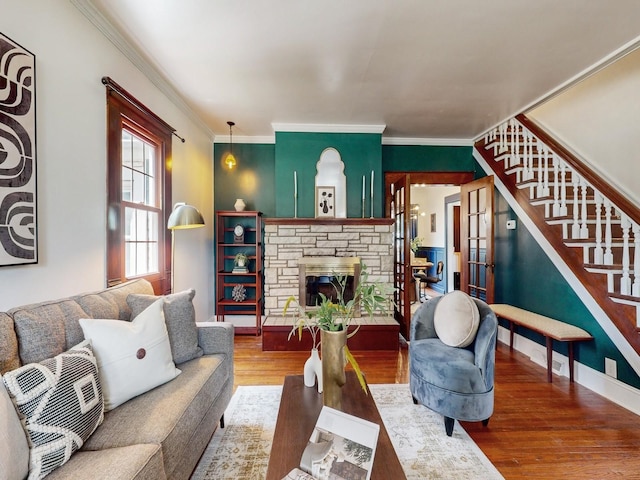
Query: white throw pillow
[
  {"x": 456, "y": 319},
  {"x": 133, "y": 357}
]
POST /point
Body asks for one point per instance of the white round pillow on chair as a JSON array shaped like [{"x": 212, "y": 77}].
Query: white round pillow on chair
[{"x": 456, "y": 319}]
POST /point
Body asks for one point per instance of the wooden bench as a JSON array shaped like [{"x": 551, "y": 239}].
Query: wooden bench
[{"x": 551, "y": 329}]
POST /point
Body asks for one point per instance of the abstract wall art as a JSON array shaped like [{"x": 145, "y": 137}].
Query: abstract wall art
[{"x": 18, "y": 231}]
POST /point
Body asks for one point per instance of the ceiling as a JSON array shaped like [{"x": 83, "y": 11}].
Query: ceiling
[{"x": 439, "y": 70}]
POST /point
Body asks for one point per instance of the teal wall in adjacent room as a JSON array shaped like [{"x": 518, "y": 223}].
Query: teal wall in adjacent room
[
  {"x": 252, "y": 179},
  {"x": 432, "y": 158},
  {"x": 361, "y": 154},
  {"x": 527, "y": 278}
]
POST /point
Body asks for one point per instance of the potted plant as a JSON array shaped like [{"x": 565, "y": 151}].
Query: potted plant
[
  {"x": 332, "y": 317},
  {"x": 240, "y": 259}
]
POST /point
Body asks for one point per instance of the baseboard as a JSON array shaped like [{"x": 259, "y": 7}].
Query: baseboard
[{"x": 612, "y": 389}]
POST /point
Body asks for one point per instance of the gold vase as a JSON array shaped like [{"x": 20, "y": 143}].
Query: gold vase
[{"x": 333, "y": 363}]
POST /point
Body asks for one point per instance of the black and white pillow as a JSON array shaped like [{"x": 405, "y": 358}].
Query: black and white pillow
[{"x": 60, "y": 403}]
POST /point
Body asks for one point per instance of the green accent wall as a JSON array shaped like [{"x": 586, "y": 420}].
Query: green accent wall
[
  {"x": 527, "y": 278},
  {"x": 252, "y": 179},
  {"x": 361, "y": 154},
  {"x": 432, "y": 158}
]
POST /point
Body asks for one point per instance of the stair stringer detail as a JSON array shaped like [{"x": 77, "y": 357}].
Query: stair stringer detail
[{"x": 623, "y": 345}]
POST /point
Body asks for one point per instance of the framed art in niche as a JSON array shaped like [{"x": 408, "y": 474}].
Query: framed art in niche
[
  {"x": 18, "y": 230},
  {"x": 325, "y": 202}
]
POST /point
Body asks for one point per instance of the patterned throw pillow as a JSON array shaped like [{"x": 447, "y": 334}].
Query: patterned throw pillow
[
  {"x": 180, "y": 317},
  {"x": 60, "y": 403}
]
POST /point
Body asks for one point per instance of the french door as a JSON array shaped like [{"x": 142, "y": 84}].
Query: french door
[
  {"x": 476, "y": 212},
  {"x": 399, "y": 211}
]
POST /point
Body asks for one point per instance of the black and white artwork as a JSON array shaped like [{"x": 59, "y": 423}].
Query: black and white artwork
[
  {"x": 18, "y": 240},
  {"x": 325, "y": 202}
]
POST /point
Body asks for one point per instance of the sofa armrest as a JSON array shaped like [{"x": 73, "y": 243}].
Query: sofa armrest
[
  {"x": 216, "y": 337},
  {"x": 485, "y": 342}
]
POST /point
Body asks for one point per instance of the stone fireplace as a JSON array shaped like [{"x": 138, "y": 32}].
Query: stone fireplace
[{"x": 320, "y": 246}]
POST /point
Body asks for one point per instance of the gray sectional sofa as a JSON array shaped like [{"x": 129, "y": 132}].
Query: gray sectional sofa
[{"x": 159, "y": 434}]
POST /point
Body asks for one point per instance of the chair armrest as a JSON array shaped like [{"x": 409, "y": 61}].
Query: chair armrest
[
  {"x": 422, "y": 321},
  {"x": 216, "y": 337},
  {"x": 485, "y": 342}
]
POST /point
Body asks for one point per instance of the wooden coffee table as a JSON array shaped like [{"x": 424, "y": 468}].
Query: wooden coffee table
[{"x": 299, "y": 410}]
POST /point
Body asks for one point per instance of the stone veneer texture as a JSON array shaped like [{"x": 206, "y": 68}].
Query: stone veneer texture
[{"x": 285, "y": 244}]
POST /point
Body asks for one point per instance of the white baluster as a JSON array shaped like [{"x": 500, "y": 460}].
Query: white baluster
[
  {"x": 503, "y": 137},
  {"x": 608, "y": 254},
  {"x": 635, "y": 290},
  {"x": 575, "y": 227},
  {"x": 540, "y": 185},
  {"x": 584, "y": 230},
  {"x": 598, "y": 253},
  {"x": 513, "y": 158},
  {"x": 545, "y": 179},
  {"x": 563, "y": 188},
  {"x": 556, "y": 186},
  {"x": 625, "y": 281}
]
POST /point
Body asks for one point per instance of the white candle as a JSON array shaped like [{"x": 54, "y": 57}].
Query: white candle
[
  {"x": 363, "y": 189},
  {"x": 295, "y": 183},
  {"x": 371, "y": 193}
]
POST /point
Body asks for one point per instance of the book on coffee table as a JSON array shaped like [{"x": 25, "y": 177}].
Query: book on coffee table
[{"x": 341, "y": 446}]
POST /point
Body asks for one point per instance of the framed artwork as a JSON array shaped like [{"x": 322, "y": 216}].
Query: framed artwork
[
  {"x": 433, "y": 223},
  {"x": 325, "y": 202},
  {"x": 18, "y": 239}
]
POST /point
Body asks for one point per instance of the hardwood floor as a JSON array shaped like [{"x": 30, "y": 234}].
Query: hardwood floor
[{"x": 540, "y": 430}]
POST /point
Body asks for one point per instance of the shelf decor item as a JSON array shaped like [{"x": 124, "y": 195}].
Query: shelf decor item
[
  {"x": 240, "y": 263},
  {"x": 239, "y": 293},
  {"x": 332, "y": 318},
  {"x": 239, "y": 205},
  {"x": 325, "y": 202}
]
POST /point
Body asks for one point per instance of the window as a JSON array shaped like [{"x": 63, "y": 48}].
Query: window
[{"x": 139, "y": 192}]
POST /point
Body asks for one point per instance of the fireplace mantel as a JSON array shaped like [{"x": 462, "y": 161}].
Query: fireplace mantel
[{"x": 328, "y": 221}]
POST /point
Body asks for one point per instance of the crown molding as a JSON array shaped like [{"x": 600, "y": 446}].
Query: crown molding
[
  {"x": 327, "y": 128},
  {"x": 245, "y": 139},
  {"x": 442, "y": 142},
  {"x": 89, "y": 10}
]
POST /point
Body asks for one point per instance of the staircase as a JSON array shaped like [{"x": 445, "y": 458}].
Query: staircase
[{"x": 591, "y": 226}]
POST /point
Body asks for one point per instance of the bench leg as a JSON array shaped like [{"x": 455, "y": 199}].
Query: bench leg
[
  {"x": 549, "y": 358},
  {"x": 511, "y": 331},
  {"x": 570, "y": 362}
]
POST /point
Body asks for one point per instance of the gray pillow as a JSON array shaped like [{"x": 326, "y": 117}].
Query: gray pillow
[{"x": 180, "y": 317}]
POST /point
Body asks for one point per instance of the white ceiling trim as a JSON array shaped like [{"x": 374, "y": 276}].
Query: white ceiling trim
[
  {"x": 106, "y": 28},
  {"x": 327, "y": 128},
  {"x": 443, "y": 142}
]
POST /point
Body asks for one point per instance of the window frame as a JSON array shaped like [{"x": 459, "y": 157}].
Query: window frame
[{"x": 125, "y": 112}]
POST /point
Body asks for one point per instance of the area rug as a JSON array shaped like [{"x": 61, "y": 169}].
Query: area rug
[{"x": 241, "y": 449}]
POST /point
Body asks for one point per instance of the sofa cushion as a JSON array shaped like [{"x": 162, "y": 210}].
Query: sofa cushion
[
  {"x": 135, "y": 462},
  {"x": 9, "y": 359},
  {"x": 456, "y": 319},
  {"x": 60, "y": 403},
  {"x": 180, "y": 317},
  {"x": 14, "y": 449},
  {"x": 171, "y": 414},
  {"x": 47, "y": 329},
  {"x": 112, "y": 302},
  {"x": 133, "y": 357}
]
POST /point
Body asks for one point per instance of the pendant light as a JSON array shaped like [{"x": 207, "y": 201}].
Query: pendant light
[{"x": 230, "y": 160}]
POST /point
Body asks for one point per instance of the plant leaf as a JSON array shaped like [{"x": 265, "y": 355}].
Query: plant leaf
[{"x": 356, "y": 368}]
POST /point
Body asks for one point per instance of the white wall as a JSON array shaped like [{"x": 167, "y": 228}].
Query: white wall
[
  {"x": 71, "y": 58},
  {"x": 599, "y": 120},
  {"x": 431, "y": 200}
]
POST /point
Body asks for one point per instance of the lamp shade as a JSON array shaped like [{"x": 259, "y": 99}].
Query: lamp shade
[{"x": 185, "y": 216}]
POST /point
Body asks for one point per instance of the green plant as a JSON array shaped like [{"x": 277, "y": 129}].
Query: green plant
[
  {"x": 336, "y": 315},
  {"x": 415, "y": 243},
  {"x": 240, "y": 258}
]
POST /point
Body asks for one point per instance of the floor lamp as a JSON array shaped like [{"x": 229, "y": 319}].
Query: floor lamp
[{"x": 183, "y": 216}]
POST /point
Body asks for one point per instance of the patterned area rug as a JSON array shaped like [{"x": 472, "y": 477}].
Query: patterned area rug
[{"x": 241, "y": 449}]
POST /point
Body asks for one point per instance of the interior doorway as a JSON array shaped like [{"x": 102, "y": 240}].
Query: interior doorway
[{"x": 407, "y": 228}]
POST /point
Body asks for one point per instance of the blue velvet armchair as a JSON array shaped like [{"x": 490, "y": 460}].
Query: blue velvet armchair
[{"x": 456, "y": 382}]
